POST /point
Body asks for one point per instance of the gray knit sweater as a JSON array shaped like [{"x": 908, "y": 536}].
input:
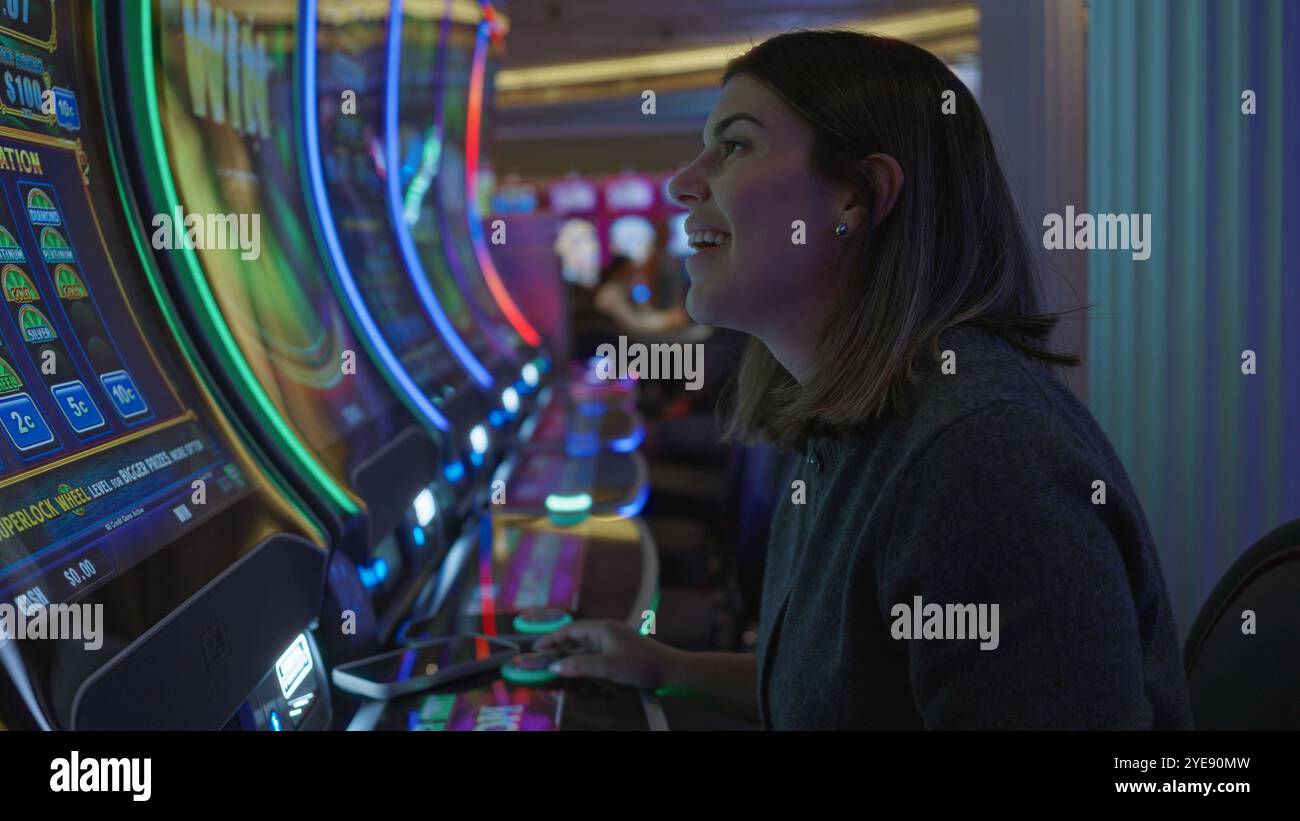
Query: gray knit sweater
[{"x": 982, "y": 495}]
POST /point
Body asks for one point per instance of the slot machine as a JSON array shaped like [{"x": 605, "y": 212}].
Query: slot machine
[
  {"x": 625, "y": 224},
  {"x": 343, "y": 73},
  {"x": 209, "y": 104},
  {"x": 575, "y": 200},
  {"x": 130, "y": 500},
  {"x": 595, "y": 411},
  {"x": 598, "y": 412},
  {"x": 492, "y": 575},
  {"x": 275, "y": 325},
  {"x": 570, "y": 472}
]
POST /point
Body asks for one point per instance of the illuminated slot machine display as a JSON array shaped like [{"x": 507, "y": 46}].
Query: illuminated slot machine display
[
  {"x": 415, "y": 145},
  {"x": 515, "y": 197},
  {"x": 344, "y": 87},
  {"x": 608, "y": 570},
  {"x": 580, "y": 475},
  {"x": 464, "y": 123},
  {"x": 593, "y": 412},
  {"x": 344, "y": 74},
  {"x": 459, "y": 119},
  {"x": 345, "y": 61},
  {"x": 625, "y": 224},
  {"x": 575, "y": 200},
  {"x": 130, "y": 509},
  {"x": 208, "y": 106},
  {"x": 439, "y": 173}
]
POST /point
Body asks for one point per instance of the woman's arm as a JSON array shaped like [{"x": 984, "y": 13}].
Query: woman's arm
[{"x": 725, "y": 682}]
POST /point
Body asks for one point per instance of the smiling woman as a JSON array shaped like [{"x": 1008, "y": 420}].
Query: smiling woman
[
  {"x": 861, "y": 231},
  {"x": 745, "y": 190}
]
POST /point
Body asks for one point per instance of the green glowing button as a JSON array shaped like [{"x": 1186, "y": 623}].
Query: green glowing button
[
  {"x": 541, "y": 620},
  {"x": 568, "y": 509},
  {"x": 529, "y": 668}
]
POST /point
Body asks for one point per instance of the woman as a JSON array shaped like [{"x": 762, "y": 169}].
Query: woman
[{"x": 868, "y": 243}]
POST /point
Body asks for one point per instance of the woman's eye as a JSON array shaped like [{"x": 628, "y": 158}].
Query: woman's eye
[{"x": 728, "y": 150}]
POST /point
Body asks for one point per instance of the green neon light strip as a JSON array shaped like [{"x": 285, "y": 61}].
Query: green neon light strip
[
  {"x": 141, "y": 65},
  {"x": 523, "y": 625},
  {"x": 144, "y": 255}
]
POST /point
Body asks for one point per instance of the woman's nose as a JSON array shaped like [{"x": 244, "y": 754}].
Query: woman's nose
[{"x": 687, "y": 187}]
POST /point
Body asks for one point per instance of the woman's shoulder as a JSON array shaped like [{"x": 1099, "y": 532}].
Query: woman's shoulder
[
  {"x": 982, "y": 384},
  {"x": 983, "y": 400}
]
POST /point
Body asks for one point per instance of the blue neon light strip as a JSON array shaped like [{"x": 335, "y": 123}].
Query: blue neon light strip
[
  {"x": 396, "y": 210},
  {"x": 458, "y": 265},
  {"x": 630, "y": 442},
  {"x": 634, "y": 507},
  {"x": 311, "y": 134}
]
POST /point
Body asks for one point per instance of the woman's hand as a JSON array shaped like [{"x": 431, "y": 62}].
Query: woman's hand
[{"x": 610, "y": 650}]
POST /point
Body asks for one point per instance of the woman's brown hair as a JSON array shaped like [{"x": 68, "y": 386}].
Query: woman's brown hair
[{"x": 951, "y": 252}]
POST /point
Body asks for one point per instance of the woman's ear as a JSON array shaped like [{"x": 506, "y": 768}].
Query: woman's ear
[{"x": 887, "y": 180}]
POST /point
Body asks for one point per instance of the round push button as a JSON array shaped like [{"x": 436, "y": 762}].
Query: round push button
[{"x": 541, "y": 620}]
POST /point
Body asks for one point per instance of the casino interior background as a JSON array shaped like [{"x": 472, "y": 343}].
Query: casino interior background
[{"x": 363, "y": 422}]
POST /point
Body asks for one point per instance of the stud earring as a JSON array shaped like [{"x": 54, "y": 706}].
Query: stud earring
[{"x": 841, "y": 230}]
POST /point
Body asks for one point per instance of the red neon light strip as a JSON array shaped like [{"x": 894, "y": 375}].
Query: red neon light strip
[{"x": 473, "y": 123}]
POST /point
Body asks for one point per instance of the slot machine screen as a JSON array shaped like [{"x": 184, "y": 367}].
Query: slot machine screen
[
  {"x": 422, "y": 145},
  {"x": 352, "y": 54},
  {"x": 632, "y": 236},
  {"x": 226, "y": 109},
  {"x": 107, "y": 453},
  {"x": 458, "y": 64},
  {"x": 578, "y": 246}
]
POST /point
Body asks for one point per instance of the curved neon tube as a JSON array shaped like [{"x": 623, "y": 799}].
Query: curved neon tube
[
  {"x": 630, "y": 442},
  {"x": 396, "y": 211},
  {"x": 634, "y": 507},
  {"x": 316, "y": 176},
  {"x": 473, "y": 124},
  {"x": 453, "y": 258}
]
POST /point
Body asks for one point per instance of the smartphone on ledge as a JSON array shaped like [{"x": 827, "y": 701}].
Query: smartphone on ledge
[{"x": 423, "y": 665}]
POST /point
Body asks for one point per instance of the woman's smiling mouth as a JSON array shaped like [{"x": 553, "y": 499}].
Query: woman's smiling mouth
[{"x": 701, "y": 240}]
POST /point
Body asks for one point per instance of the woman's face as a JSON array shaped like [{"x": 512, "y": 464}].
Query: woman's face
[{"x": 753, "y": 270}]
